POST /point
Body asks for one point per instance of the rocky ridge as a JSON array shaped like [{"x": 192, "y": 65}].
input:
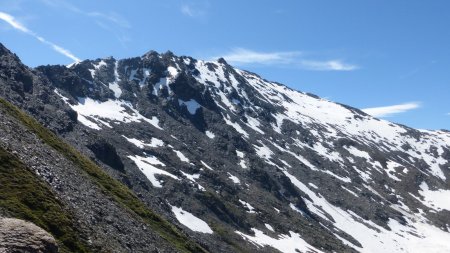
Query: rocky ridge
[{"x": 240, "y": 163}]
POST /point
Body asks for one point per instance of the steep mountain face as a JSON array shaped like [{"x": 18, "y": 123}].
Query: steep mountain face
[{"x": 239, "y": 163}]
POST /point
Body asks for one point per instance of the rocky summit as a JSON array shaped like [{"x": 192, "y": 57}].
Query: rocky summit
[{"x": 162, "y": 153}]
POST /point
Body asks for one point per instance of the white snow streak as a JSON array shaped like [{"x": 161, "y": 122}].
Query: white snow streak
[{"x": 190, "y": 221}]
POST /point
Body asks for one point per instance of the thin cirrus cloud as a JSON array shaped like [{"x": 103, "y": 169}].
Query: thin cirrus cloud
[
  {"x": 188, "y": 11},
  {"x": 195, "y": 9},
  {"x": 387, "y": 111},
  {"x": 110, "y": 16},
  {"x": 335, "y": 65},
  {"x": 20, "y": 27},
  {"x": 109, "y": 21},
  {"x": 242, "y": 56}
]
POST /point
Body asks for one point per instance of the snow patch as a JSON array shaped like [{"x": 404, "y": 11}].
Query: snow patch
[
  {"x": 243, "y": 164},
  {"x": 254, "y": 124},
  {"x": 241, "y": 155},
  {"x": 147, "y": 73},
  {"x": 180, "y": 155},
  {"x": 438, "y": 200},
  {"x": 291, "y": 243},
  {"x": 313, "y": 185},
  {"x": 349, "y": 191},
  {"x": 391, "y": 165},
  {"x": 173, "y": 72},
  {"x": 236, "y": 126},
  {"x": 264, "y": 152},
  {"x": 210, "y": 134},
  {"x": 359, "y": 153},
  {"x": 115, "y": 110},
  {"x": 88, "y": 122},
  {"x": 97, "y": 66},
  {"x": 269, "y": 227},
  {"x": 155, "y": 142},
  {"x": 249, "y": 207},
  {"x": 234, "y": 178},
  {"x": 191, "y": 177},
  {"x": 145, "y": 164},
  {"x": 190, "y": 221},
  {"x": 114, "y": 86},
  {"x": 206, "y": 165},
  {"x": 191, "y": 105}
]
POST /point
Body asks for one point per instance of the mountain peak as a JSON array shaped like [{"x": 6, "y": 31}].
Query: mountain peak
[
  {"x": 222, "y": 61},
  {"x": 6, "y": 52},
  {"x": 3, "y": 49},
  {"x": 169, "y": 53},
  {"x": 151, "y": 53}
]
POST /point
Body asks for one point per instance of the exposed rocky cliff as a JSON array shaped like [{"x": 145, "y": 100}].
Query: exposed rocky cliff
[{"x": 236, "y": 162}]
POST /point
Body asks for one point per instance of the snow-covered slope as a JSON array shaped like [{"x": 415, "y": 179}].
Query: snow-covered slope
[{"x": 381, "y": 155}]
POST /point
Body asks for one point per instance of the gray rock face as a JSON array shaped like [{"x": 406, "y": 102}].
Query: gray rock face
[
  {"x": 105, "y": 224},
  {"x": 21, "y": 236},
  {"x": 267, "y": 168}
]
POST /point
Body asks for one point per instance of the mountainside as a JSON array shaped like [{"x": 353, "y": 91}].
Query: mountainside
[{"x": 235, "y": 162}]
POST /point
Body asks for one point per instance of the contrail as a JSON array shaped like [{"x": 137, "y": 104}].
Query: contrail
[{"x": 18, "y": 26}]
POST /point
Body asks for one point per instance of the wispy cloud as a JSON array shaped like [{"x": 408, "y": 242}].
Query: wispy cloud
[
  {"x": 109, "y": 16},
  {"x": 112, "y": 17},
  {"x": 242, "y": 56},
  {"x": 20, "y": 27},
  {"x": 13, "y": 22},
  {"x": 296, "y": 59},
  {"x": 336, "y": 65},
  {"x": 109, "y": 21},
  {"x": 387, "y": 111},
  {"x": 187, "y": 10},
  {"x": 195, "y": 9}
]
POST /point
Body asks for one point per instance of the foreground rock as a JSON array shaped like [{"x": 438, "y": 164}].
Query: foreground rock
[{"x": 21, "y": 236}]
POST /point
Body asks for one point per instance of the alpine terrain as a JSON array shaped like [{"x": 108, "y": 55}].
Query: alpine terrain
[{"x": 161, "y": 153}]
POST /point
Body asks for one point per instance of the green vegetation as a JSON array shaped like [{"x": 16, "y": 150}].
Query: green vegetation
[
  {"x": 228, "y": 213},
  {"x": 26, "y": 197},
  {"x": 229, "y": 237},
  {"x": 120, "y": 193}
]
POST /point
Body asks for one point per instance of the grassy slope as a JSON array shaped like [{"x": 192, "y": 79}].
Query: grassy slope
[
  {"x": 120, "y": 193},
  {"x": 26, "y": 197}
]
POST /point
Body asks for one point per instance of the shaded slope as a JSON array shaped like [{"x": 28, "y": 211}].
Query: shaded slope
[{"x": 106, "y": 184}]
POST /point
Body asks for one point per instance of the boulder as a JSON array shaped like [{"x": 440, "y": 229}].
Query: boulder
[{"x": 22, "y": 236}]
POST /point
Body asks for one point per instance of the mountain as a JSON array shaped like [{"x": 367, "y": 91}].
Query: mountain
[{"x": 165, "y": 153}]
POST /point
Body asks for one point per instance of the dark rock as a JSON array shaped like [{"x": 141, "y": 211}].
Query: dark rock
[{"x": 106, "y": 153}]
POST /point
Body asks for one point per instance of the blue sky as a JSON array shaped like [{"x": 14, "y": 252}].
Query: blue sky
[{"x": 390, "y": 56}]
